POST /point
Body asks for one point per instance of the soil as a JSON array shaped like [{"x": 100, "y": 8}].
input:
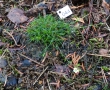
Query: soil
[{"x": 24, "y": 65}]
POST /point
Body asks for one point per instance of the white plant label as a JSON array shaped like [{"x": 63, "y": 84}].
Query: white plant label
[{"x": 64, "y": 12}]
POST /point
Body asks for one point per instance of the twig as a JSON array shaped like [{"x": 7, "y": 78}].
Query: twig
[
  {"x": 90, "y": 15},
  {"x": 73, "y": 88},
  {"x": 83, "y": 54},
  {"x": 48, "y": 84},
  {"x": 43, "y": 84},
  {"x": 31, "y": 59},
  {"x": 106, "y": 23},
  {"x": 19, "y": 71},
  {"x": 57, "y": 83},
  {"x": 40, "y": 75},
  {"x": 58, "y": 73},
  {"x": 74, "y": 7},
  {"x": 13, "y": 68},
  {"x": 46, "y": 55},
  {"x": 11, "y": 36},
  {"x": 99, "y": 55},
  {"x": 90, "y": 66},
  {"x": 4, "y": 52},
  {"x": 9, "y": 63},
  {"x": 83, "y": 67},
  {"x": 104, "y": 77},
  {"x": 44, "y": 12},
  {"x": 5, "y": 80}
]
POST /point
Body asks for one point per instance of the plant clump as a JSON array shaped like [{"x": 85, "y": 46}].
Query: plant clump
[{"x": 48, "y": 31}]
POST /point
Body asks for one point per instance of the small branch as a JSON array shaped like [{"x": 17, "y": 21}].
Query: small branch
[
  {"x": 31, "y": 59},
  {"x": 104, "y": 77},
  {"x": 11, "y": 36},
  {"x": 5, "y": 80},
  {"x": 46, "y": 55},
  {"x": 14, "y": 69},
  {"x": 81, "y": 6},
  {"x": 40, "y": 75},
  {"x": 99, "y": 55},
  {"x": 58, "y": 73},
  {"x": 49, "y": 85}
]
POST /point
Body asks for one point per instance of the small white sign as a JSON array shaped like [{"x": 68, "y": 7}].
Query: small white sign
[{"x": 64, "y": 12}]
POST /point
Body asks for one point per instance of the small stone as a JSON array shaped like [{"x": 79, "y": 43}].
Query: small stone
[
  {"x": 11, "y": 81},
  {"x": 3, "y": 62},
  {"x": 25, "y": 63},
  {"x": 2, "y": 77}
]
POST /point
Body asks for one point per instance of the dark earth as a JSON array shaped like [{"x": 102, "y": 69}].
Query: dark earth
[{"x": 81, "y": 63}]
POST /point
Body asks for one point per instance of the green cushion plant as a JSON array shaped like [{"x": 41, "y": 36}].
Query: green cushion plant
[{"x": 48, "y": 31}]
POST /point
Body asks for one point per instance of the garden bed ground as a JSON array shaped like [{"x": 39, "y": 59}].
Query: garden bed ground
[{"x": 78, "y": 60}]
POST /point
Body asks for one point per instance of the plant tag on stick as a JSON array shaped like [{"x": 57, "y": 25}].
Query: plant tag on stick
[{"x": 64, "y": 12}]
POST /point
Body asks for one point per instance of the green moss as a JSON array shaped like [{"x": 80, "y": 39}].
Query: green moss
[
  {"x": 105, "y": 68},
  {"x": 48, "y": 31}
]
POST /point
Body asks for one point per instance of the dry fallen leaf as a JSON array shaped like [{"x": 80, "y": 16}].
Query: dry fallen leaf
[
  {"x": 78, "y": 19},
  {"x": 62, "y": 69},
  {"x": 103, "y": 51},
  {"x": 17, "y": 16}
]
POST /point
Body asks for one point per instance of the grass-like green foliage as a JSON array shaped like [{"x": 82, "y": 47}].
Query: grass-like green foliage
[{"x": 48, "y": 31}]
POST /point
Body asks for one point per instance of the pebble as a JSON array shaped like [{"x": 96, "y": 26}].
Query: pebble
[
  {"x": 25, "y": 63},
  {"x": 3, "y": 62},
  {"x": 11, "y": 81}
]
